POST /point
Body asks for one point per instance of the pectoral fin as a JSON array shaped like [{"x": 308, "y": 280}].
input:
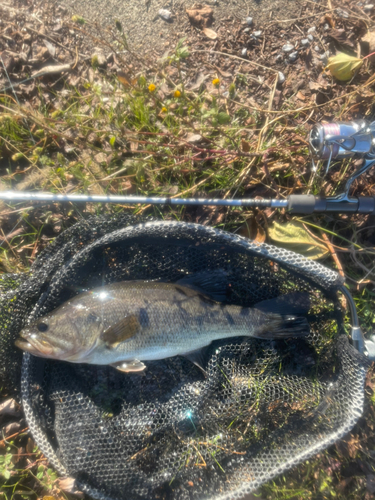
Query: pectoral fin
[
  {"x": 133, "y": 365},
  {"x": 197, "y": 357},
  {"x": 123, "y": 330}
]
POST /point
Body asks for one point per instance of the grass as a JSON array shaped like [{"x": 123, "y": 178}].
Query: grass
[{"x": 131, "y": 134}]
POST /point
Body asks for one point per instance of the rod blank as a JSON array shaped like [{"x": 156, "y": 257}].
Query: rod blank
[{"x": 11, "y": 196}]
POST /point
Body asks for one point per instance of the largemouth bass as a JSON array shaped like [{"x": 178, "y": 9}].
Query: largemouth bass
[{"x": 126, "y": 323}]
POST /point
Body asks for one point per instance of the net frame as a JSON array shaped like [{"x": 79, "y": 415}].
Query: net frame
[{"x": 61, "y": 261}]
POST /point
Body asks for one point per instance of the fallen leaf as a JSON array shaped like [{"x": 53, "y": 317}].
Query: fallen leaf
[
  {"x": 194, "y": 138},
  {"x": 210, "y": 33},
  {"x": 50, "y": 47},
  {"x": 30, "y": 445},
  {"x": 10, "y": 408},
  {"x": 340, "y": 37},
  {"x": 198, "y": 80},
  {"x": 252, "y": 230},
  {"x": 293, "y": 236},
  {"x": 133, "y": 146},
  {"x": 329, "y": 19},
  {"x": 10, "y": 429},
  {"x": 343, "y": 67},
  {"x": 245, "y": 146},
  {"x": 225, "y": 74},
  {"x": 101, "y": 157},
  {"x": 9, "y": 60},
  {"x": 300, "y": 96},
  {"x": 68, "y": 484},
  {"x": 200, "y": 15}
]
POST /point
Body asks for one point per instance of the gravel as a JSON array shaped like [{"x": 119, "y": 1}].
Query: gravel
[
  {"x": 281, "y": 77},
  {"x": 147, "y": 32},
  {"x": 288, "y": 47}
]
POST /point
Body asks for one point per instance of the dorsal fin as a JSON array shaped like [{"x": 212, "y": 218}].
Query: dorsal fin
[{"x": 213, "y": 284}]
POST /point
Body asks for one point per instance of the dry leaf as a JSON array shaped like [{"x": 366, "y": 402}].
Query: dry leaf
[
  {"x": 198, "y": 80},
  {"x": 343, "y": 67},
  {"x": 340, "y": 37},
  {"x": 125, "y": 79},
  {"x": 200, "y": 15},
  {"x": 300, "y": 96},
  {"x": 252, "y": 230},
  {"x": 50, "y": 47},
  {"x": 225, "y": 74},
  {"x": 245, "y": 146},
  {"x": 10, "y": 408},
  {"x": 329, "y": 19},
  {"x": 133, "y": 146},
  {"x": 30, "y": 445},
  {"x": 194, "y": 138},
  {"x": 10, "y": 429},
  {"x": 210, "y": 33},
  {"x": 68, "y": 484},
  {"x": 293, "y": 236}
]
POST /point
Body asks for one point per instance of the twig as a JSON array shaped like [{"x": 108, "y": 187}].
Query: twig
[
  {"x": 293, "y": 111},
  {"x": 13, "y": 435},
  {"x": 56, "y": 42},
  {"x": 272, "y": 95},
  {"x": 236, "y": 57},
  {"x": 302, "y": 17},
  {"x": 52, "y": 70}
]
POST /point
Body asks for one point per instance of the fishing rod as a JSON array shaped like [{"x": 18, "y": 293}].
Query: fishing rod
[{"x": 327, "y": 142}]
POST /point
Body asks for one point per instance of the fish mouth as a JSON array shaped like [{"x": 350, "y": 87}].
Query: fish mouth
[
  {"x": 39, "y": 348},
  {"x": 44, "y": 349}
]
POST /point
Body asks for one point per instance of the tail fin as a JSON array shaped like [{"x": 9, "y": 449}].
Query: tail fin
[
  {"x": 283, "y": 327},
  {"x": 284, "y": 316}
]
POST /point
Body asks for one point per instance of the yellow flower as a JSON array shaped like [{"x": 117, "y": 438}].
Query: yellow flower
[
  {"x": 177, "y": 93},
  {"x": 216, "y": 82},
  {"x": 152, "y": 87},
  {"x": 163, "y": 110}
]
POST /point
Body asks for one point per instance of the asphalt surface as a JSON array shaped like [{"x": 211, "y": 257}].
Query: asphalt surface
[{"x": 146, "y": 30}]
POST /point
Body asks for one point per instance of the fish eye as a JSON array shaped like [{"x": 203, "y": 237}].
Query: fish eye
[{"x": 42, "y": 327}]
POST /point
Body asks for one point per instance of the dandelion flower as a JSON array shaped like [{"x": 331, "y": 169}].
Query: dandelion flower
[
  {"x": 163, "y": 110},
  {"x": 177, "y": 93},
  {"x": 152, "y": 87},
  {"x": 216, "y": 82}
]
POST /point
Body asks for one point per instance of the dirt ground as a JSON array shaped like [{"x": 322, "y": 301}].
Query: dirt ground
[{"x": 146, "y": 30}]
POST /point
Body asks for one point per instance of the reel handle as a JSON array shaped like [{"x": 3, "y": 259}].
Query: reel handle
[{"x": 308, "y": 204}]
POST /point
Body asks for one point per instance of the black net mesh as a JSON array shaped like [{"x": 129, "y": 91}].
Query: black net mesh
[{"x": 171, "y": 433}]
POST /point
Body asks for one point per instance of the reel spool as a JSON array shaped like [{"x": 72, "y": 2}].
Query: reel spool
[{"x": 340, "y": 140}]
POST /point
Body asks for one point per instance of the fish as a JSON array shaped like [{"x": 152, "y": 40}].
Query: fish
[{"x": 126, "y": 323}]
